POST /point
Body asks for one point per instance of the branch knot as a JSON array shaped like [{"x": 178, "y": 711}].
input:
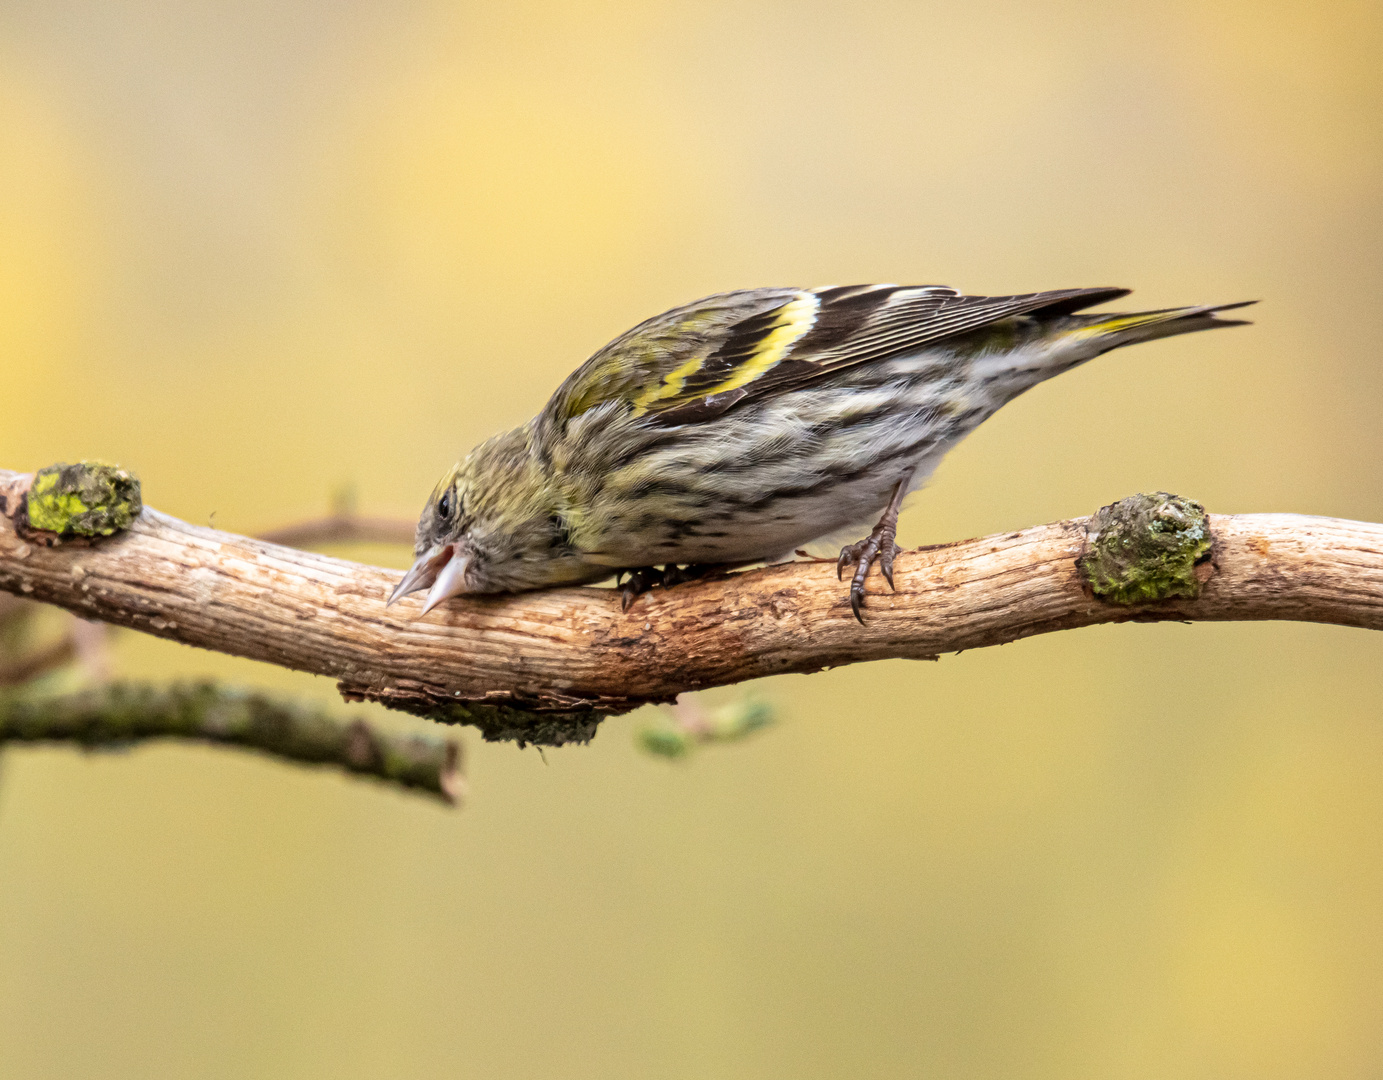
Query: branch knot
[{"x": 1145, "y": 548}]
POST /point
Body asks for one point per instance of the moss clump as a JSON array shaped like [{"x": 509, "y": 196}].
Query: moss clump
[
  {"x": 1145, "y": 548},
  {"x": 90, "y": 498},
  {"x": 503, "y": 723}
]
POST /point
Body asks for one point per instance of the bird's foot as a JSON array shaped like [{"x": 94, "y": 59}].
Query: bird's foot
[
  {"x": 644, "y": 578},
  {"x": 878, "y": 547}
]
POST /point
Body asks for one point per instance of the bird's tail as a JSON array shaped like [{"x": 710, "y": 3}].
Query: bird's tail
[{"x": 1110, "y": 331}]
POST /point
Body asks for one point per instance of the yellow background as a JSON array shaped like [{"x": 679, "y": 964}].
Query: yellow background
[{"x": 256, "y": 250}]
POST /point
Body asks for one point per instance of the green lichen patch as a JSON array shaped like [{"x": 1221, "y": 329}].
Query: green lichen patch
[
  {"x": 90, "y": 498},
  {"x": 1145, "y": 548}
]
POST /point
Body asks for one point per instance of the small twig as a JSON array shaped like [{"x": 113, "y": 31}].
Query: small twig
[
  {"x": 87, "y": 642},
  {"x": 36, "y": 663},
  {"x": 117, "y": 715},
  {"x": 342, "y": 529},
  {"x": 342, "y": 526}
]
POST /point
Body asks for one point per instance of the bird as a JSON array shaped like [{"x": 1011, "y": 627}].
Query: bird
[{"x": 743, "y": 426}]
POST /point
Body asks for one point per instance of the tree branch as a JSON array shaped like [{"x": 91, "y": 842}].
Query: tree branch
[
  {"x": 118, "y": 715},
  {"x": 546, "y": 666}
]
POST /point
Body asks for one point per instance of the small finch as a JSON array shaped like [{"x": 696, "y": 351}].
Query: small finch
[{"x": 743, "y": 426}]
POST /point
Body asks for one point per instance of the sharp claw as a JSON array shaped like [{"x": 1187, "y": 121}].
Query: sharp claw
[
  {"x": 866, "y": 557},
  {"x": 886, "y": 568},
  {"x": 856, "y": 600}
]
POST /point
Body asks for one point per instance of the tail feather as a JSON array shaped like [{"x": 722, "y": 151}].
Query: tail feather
[{"x": 1115, "y": 330}]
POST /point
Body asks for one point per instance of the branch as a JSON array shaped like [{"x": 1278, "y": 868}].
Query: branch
[
  {"x": 119, "y": 714},
  {"x": 546, "y": 666}
]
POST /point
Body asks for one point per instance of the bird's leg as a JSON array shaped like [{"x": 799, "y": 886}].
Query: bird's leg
[{"x": 879, "y": 544}]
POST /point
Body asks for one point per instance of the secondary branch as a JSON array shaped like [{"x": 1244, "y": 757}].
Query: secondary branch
[{"x": 119, "y": 715}]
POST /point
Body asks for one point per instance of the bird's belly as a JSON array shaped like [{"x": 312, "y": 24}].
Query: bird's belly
[
  {"x": 766, "y": 530},
  {"x": 759, "y": 484}
]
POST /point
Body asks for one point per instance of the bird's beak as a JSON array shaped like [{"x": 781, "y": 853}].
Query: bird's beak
[
  {"x": 443, "y": 570},
  {"x": 451, "y": 579}
]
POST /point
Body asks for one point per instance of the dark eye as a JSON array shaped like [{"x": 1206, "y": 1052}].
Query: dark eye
[{"x": 446, "y": 504}]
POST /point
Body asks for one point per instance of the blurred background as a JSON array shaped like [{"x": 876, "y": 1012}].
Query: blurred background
[{"x": 258, "y": 251}]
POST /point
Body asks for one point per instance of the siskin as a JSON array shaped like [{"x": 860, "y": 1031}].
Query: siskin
[{"x": 740, "y": 427}]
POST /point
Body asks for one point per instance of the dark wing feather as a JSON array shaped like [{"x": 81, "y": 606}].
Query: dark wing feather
[
  {"x": 675, "y": 358},
  {"x": 860, "y": 324},
  {"x": 695, "y": 362},
  {"x": 742, "y": 343},
  {"x": 905, "y": 320}
]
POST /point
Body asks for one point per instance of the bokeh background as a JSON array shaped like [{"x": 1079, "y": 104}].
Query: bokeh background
[{"x": 256, "y": 251}]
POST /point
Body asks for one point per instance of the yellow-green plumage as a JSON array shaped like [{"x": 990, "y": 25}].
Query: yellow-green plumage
[{"x": 747, "y": 424}]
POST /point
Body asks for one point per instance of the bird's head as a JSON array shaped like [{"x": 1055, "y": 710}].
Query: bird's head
[{"x": 489, "y": 526}]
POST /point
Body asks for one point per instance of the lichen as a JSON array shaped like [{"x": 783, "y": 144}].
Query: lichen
[
  {"x": 1145, "y": 548},
  {"x": 90, "y": 498}
]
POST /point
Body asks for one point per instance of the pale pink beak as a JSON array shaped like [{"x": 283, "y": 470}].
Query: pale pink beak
[{"x": 441, "y": 569}]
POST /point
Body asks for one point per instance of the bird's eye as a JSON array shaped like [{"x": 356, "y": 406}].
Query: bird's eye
[{"x": 446, "y": 505}]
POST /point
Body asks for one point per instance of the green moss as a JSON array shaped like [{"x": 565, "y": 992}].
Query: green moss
[
  {"x": 1145, "y": 548},
  {"x": 503, "y": 723},
  {"x": 90, "y": 498}
]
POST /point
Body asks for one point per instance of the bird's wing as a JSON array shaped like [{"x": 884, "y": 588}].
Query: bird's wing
[{"x": 695, "y": 362}]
